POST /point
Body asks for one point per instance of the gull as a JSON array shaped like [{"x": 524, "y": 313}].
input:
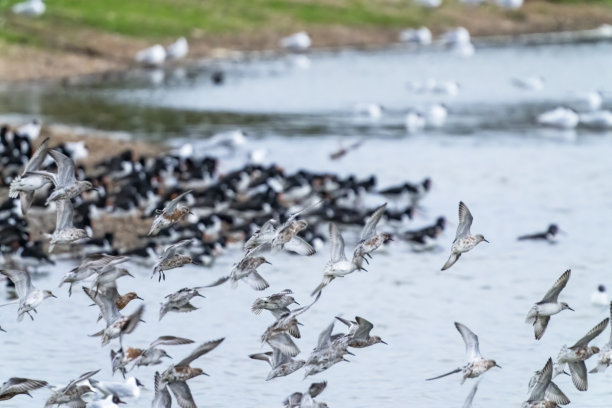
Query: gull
[
  {"x": 370, "y": 241},
  {"x": 25, "y": 187},
  {"x": 153, "y": 56},
  {"x": 66, "y": 184},
  {"x": 575, "y": 355},
  {"x": 329, "y": 351},
  {"x": 245, "y": 270},
  {"x": 128, "y": 389},
  {"x": 281, "y": 364},
  {"x": 153, "y": 355},
  {"x": 338, "y": 265},
  {"x": 435, "y": 115},
  {"x": 177, "y": 49},
  {"x": 605, "y": 354},
  {"x": 111, "y": 401},
  {"x": 539, "y": 314},
  {"x": 171, "y": 214},
  {"x": 359, "y": 333},
  {"x": 179, "y": 301},
  {"x": 276, "y": 334},
  {"x": 421, "y": 36},
  {"x": 298, "y": 42},
  {"x": 65, "y": 232},
  {"x": 372, "y": 111},
  {"x": 92, "y": 264},
  {"x": 170, "y": 259},
  {"x": 588, "y": 101},
  {"x": 176, "y": 376},
  {"x": 414, "y": 122},
  {"x": 464, "y": 240},
  {"x": 295, "y": 399},
  {"x": 543, "y": 392},
  {"x": 116, "y": 324},
  {"x": 71, "y": 394},
  {"x": 30, "y": 8},
  {"x": 562, "y": 118},
  {"x": 601, "y": 119},
  {"x": 274, "y": 302},
  {"x": 476, "y": 365},
  {"x": 16, "y": 386},
  {"x": 29, "y": 296}
]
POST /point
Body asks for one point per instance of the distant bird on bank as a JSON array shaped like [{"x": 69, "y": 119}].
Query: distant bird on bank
[
  {"x": 476, "y": 365},
  {"x": 539, "y": 314},
  {"x": 561, "y": 118},
  {"x": 421, "y": 36},
  {"x": 30, "y": 8},
  {"x": 177, "y": 49},
  {"x": 153, "y": 56},
  {"x": 549, "y": 235},
  {"x": 298, "y": 42},
  {"x": 464, "y": 240}
]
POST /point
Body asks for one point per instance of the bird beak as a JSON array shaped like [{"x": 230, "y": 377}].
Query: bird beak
[
  {"x": 2, "y": 330},
  {"x": 52, "y": 295},
  {"x": 497, "y": 365},
  {"x": 565, "y": 372},
  {"x": 129, "y": 274},
  {"x": 138, "y": 297},
  {"x": 571, "y": 309},
  {"x": 296, "y": 303},
  {"x": 203, "y": 373},
  {"x": 486, "y": 241},
  {"x": 269, "y": 263},
  {"x": 384, "y": 342}
]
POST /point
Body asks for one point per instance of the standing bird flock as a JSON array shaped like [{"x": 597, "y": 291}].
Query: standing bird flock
[{"x": 192, "y": 222}]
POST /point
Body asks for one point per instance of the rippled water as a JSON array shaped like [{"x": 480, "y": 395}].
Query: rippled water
[{"x": 515, "y": 178}]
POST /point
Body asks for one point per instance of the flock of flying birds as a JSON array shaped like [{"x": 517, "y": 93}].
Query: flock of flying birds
[{"x": 97, "y": 274}]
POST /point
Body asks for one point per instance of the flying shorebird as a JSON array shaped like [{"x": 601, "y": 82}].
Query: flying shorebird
[
  {"x": 544, "y": 393},
  {"x": 71, "y": 394},
  {"x": 65, "y": 232},
  {"x": 338, "y": 265},
  {"x": 25, "y": 187},
  {"x": 605, "y": 354},
  {"x": 476, "y": 365},
  {"x": 464, "y": 240},
  {"x": 162, "y": 398},
  {"x": 274, "y": 302},
  {"x": 171, "y": 214},
  {"x": 179, "y": 301},
  {"x": 153, "y": 355},
  {"x": 66, "y": 184},
  {"x": 245, "y": 270},
  {"x": 29, "y": 296},
  {"x": 359, "y": 333},
  {"x": 575, "y": 355},
  {"x": 92, "y": 264},
  {"x": 176, "y": 375},
  {"x": 15, "y": 386},
  {"x": 170, "y": 259},
  {"x": 329, "y": 351},
  {"x": 369, "y": 240},
  {"x": 281, "y": 364},
  {"x": 539, "y": 314},
  {"x": 295, "y": 399}
]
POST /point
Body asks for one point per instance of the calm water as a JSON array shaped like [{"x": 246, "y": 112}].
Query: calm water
[{"x": 515, "y": 178}]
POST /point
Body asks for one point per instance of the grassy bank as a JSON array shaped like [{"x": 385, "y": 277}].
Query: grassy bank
[{"x": 106, "y": 34}]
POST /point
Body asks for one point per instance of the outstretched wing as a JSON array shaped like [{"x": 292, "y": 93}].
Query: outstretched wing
[
  {"x": 465, "y": 220},
  {"x": 471, "y": 342},
  {"x": 199, "y": 351},
  {"x": 594, "y": 332},
  {"x": 369, "y": 230},
  {"x": 553, "y": 293}
]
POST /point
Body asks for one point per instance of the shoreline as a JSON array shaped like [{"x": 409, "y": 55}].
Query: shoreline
[{"x": 100, "y": 53}]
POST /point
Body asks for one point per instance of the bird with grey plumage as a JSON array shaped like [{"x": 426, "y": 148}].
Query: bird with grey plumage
[
  {"x": 296, "y": 399},
  {"x": 65, "y": 182},
  {"x": 477, "y": 365},
  {"x": 65, "y": 232},
  {"x": 276, "y": 301},
  {"x": 539, "y": 314},
  {"x": 245, "y": 270},
  {"x": 576, "y": 355},
  {"x": 605, "y": 353},
  {"x": 172, "y": 259},
  {"x": 359, "y": 333},
  {"x": 544, "y": 393},
  {"x": 176, "y": 376},
  {"x": 281, "y": 364},
  {"x": 369, "y": 240},
  {"x": 117, "y": 325},
  {"x": 92, "y": 264},
  {"x": 153, "y": 355},
  {"x": 25, "y": 187},
  {"x": 29, "y": 296},
  {"x": 171, "y": 214},
  {"x": 17, "y": 386},
  {"x": 71, "y": 394},
  {"x": 180, "y": 301},
  {"x": 464, "y": 240},
  {"x": 330, "y": 350},
  {"x": 552, "y": 392}
]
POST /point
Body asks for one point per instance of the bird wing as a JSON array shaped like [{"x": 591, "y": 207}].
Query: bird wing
[
  {"x": 172, "y": 204},
  {"x": 325, "y": 337},
  {"x": 162, "y": 395},
  {"x": 553, "y": 293},
  {"x": 337, "y": 243},
  {"x": 46, "y": 174},
  {"x": 182, "y": 393},
  {"x": 538, "y": 392},
  {"x": 454, "y": 257},
  {"x": 82, "y": 377},
  {"x": 171, "y": 250},
  {"x": 369, "y": 230},
  {"x": 471, "y": 342},
  {"x": 18, "y": 385},
  {"x": 170, "y": 341},
  {"x": 465, "y": 220},
  {"x": 316, "y": 388},
  {"x": 21, "y": 279},
  {"x": 364, "y": 328},
  {"x": 267, "y": 357},
  {"x": 38, "y": 157},
  {"x": 539, "y": 326},
  {"x": 284, "y": 343},
  {"x": 256, "y": 281},
  {"x": 554, "y": 393},
  {"x": 470, "y": 397},
  {"x": 107, "y": 305},
  {"x": 65, "y": 214},
  {"x": 299, "y": 246},
  {"x": 199, "y": 351},
  {"x": 594, "y": 332},
  {"x": 65, "y": 168},
  {"x": 579, "y": 375}
]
